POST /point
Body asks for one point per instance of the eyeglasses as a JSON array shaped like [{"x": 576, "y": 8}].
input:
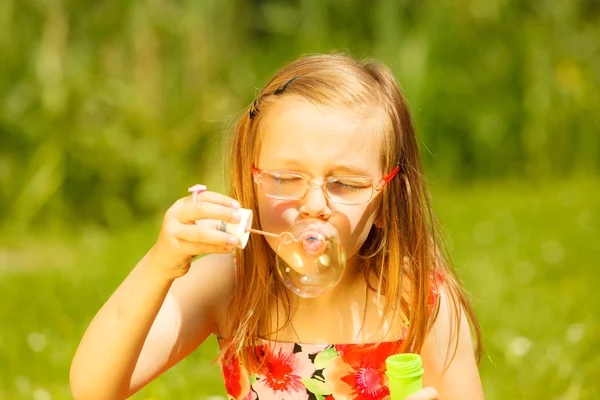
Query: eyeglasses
[{"x": 341, "y": 189}]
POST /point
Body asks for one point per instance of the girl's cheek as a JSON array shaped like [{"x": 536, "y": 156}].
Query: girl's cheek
[
  {"x": 355, "y": 228},
  {"x": 276, "y": 215},
  {"x": 273, "y": 243}
]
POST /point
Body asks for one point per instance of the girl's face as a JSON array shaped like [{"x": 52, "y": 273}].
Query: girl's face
[{"x": 318, "y": 142}]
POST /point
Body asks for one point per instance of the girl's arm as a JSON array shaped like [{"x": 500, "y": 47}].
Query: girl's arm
[
  {"x": 107, "y": 354},
  {"x": 192, "y": 309},
  {"x": 145, "y": 326},
  {"x": 461, "y": 379},
  {"x": 143, "y": 329}
]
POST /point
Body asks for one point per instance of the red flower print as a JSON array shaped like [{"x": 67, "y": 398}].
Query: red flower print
[
  {"x": 282, "y": 373},
  {"x": 359, "y": 356},
  {"x": 231, "y": 373},
  {"x": 368, "y": 383},
  {"x": 236, "y": 379},
  {"x": 365, "y": 376}
]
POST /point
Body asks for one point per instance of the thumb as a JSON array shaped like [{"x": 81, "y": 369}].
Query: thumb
[{"x": 428, "y": 393}]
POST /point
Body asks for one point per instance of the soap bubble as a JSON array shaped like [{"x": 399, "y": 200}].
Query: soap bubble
[{"x": 310, "y": 258}]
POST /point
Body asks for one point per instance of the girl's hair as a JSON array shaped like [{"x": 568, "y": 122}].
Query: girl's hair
[{"x": 407, "y": 246}]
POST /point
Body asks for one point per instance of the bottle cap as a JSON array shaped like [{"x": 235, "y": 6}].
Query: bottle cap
[
  {"x": 405, "y": 375},
  {"x": 404, "y": 365}
]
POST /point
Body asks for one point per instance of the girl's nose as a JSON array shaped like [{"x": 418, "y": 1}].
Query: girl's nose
[{"x": 315, "y": 204}]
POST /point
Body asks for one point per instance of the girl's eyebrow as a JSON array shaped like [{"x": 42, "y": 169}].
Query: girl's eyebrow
[
  {"x": 289, "y": 163},
  {"x": 292, "y": 164},
  {"x": 353, "y": 169}
]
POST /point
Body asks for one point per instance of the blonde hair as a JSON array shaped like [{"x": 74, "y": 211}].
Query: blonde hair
[{"x": 411, "y": 249}]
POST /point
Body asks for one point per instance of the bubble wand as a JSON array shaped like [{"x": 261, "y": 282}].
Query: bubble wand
[{"x": 310, "y": 259}]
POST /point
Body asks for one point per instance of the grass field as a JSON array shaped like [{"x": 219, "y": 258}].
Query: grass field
[{"x": 528, "y": 254}]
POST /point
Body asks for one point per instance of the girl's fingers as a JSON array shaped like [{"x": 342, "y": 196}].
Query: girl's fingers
[
  {"x": 212, "y": 197},
  {"x": 428, "y": 393},
  {"x": 190, "y": 212},
  {"x": 207, "y": 234},
  {"x": 195, "y": 249}
]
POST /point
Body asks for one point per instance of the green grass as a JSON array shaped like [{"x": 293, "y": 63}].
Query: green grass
[{"x": 528, "y": 255}]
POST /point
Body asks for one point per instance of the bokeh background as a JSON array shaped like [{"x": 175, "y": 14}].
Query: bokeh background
[{"x": 109, "y": 110}]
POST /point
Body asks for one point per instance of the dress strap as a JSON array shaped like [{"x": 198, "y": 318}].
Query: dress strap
[{"x": 292, "y": 326}]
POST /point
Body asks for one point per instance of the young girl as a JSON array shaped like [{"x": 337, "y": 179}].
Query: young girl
[{"x": 319, "y": 123}]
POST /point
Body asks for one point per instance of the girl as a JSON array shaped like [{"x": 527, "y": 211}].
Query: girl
[{"x": 319, "y": 123}]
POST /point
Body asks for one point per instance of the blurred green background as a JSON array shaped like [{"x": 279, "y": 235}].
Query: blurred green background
[{"x": 109, "y": 110}]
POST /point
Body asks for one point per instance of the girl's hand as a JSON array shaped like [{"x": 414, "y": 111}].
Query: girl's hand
[
  {"x": 428, "y": 393},
  {"x": 191, "y": 228}
]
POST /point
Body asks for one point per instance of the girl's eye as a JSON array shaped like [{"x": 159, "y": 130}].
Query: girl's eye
[
  {"x": 344, "y": 186},
  {"x": 349, "y": 185},
  {"x": 280, "y": 180}
]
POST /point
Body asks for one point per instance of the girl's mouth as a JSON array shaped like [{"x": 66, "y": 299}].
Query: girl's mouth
[{"x": 313, "y": 243}]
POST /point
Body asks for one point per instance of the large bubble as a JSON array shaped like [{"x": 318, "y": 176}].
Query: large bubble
[{"x": 310, "y": 258}]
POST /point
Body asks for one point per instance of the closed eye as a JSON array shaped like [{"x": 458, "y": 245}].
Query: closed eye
[
  {"x": 351, "y": 186},
  {"x": 285, "y": 181}
]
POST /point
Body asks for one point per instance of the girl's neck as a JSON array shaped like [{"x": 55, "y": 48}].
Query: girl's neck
[
  {"x": 349, "y": 313},
  {"x": 348, "y": 285}
]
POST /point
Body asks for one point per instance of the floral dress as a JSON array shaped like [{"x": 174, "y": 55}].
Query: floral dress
[{"x": 295, "y": 371}]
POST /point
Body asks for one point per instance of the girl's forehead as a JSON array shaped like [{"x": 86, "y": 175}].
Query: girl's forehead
[{"x": 299, "y": 134}]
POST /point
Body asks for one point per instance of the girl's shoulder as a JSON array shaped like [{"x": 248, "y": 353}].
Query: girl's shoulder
[
  {"x": 220, "y": 268},
  {"x": 211, "y": 272},
  {"x": 207, "y": 289}
]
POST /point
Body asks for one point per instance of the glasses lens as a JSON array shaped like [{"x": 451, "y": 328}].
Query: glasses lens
[
  {"x": 283, "y": 185},
  {"x": 350, "y": 189}
]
